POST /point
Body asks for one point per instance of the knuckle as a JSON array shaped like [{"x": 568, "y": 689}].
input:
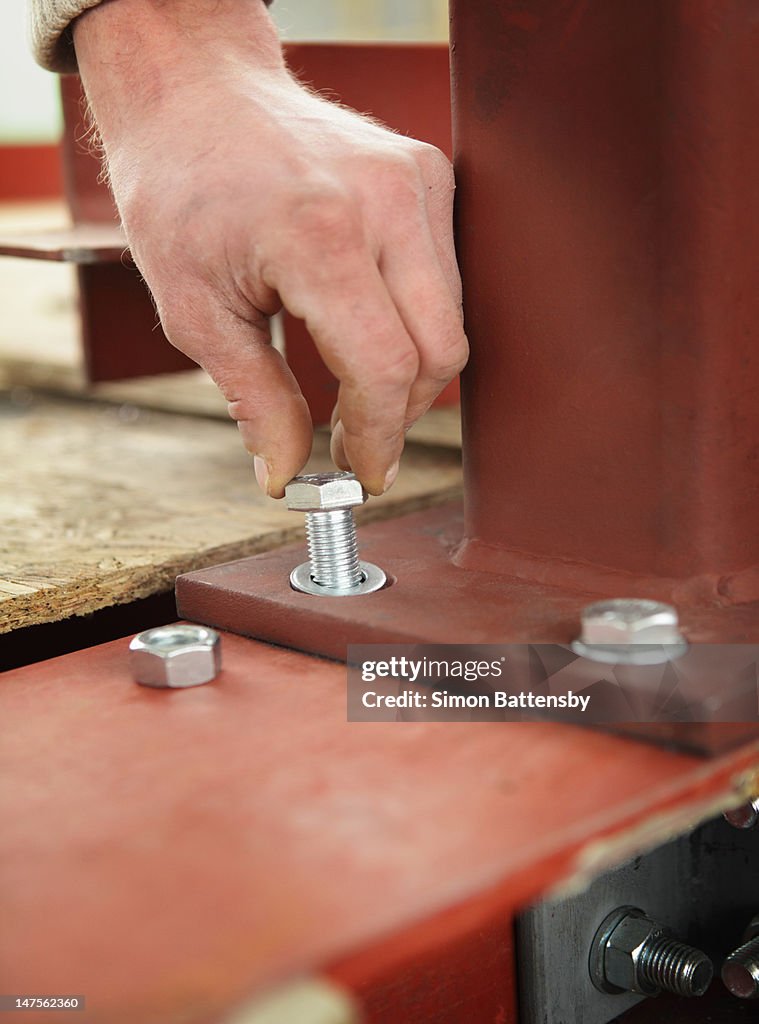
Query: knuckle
[
  {"x": 183, "y": 322},
  {"x": 435, "y": 165},
  {"x": 174, "y": 321},
  {"x": 449, "y": 360},
  {"x": 174, "y": 326},
  {"x": 374, "y": 429},
  {"x": 401, "y": 181},
  {"x": 383, "y": 367},
  {"x": 400, "y": 367}
]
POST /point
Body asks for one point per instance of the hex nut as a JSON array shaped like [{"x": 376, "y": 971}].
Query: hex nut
[
  {"x": 630, "y": 621},
  {"x": 616, "y": 950},
  {"x": 630, "y": 631},
  {"x": 176, "y": 657},
  {"x": 323, "y": 492},
  {"x": 623, "y": 950}
]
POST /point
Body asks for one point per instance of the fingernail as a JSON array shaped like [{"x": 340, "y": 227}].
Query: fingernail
[
  {"x": 391, "y": 474},
  {"x": 262, "y": 472}
]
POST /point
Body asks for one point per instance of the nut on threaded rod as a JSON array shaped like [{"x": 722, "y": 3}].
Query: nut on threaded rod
[
  {"x": 333, "y": 568},
  {"x": 632, "y": 953}
]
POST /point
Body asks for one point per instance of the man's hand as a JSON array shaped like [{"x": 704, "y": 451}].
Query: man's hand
[{"x": 241, "y": 192}]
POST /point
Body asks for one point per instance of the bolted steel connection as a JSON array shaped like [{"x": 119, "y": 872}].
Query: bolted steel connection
[
  {"x": 630, "y": 631},
  {"x": 333, "y": 568},
  {"x": 740, "y": 971},
  {"x": 632, "y": 953}
]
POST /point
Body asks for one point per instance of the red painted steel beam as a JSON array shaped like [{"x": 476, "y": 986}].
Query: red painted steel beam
[
  {"x": 121, "y": 333},
  {"x": 607, "y": 163},
  {"x": 170, "y": 853},
  {"x": 29, "y": 171},
  {"x": 87, "y": 195}
]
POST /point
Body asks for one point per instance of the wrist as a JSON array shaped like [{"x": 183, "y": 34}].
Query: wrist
[{"x": 136, "y": 56}]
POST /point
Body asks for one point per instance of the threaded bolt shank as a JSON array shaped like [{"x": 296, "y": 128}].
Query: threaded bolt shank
[
  {"x": 741, "y": 971},
  {"x": 333, "y": 548},
  {"x": 674, "y": 967}
]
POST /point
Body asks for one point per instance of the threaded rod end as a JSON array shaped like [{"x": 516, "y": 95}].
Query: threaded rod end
[
  {"x": 333, "y": 548},
  {"x": 740, "y": 971},
  {"x": 674, "y": 967}
]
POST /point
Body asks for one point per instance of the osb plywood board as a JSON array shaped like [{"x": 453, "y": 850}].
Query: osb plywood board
[{"x": 104, "y": 504}]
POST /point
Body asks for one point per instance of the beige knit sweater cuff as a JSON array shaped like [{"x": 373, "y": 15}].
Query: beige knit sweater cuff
[{"x": 50, "y": 27}]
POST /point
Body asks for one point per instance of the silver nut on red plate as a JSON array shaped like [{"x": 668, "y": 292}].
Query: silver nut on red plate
[
  {"x": 632, "y": 631},
  {"x": 176, "y": 657}
]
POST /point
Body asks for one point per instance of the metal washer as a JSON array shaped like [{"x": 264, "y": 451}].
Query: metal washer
[
  {"x": 374, "y": 579},
  {"x": 630, "y": 654}
]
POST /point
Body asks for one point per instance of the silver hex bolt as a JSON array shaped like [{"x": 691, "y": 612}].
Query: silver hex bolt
[
  {"x": 632, "y": 953},
  {"x": 333, "y": 568},
  {"x": 740, "y": 971},
  {"x": 176, "y": 657},
  {"x": 630, "y": 631}
]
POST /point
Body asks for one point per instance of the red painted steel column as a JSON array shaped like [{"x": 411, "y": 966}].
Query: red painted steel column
[{"x": 608, "y": 218}]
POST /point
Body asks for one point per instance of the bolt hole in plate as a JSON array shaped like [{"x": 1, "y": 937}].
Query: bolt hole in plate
[{"x": 373, "y": 579}]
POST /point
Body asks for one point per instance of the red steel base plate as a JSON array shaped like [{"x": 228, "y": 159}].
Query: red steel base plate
[
  {"x": 429, "y": 599},
  {"x": 171, "y": 853}
]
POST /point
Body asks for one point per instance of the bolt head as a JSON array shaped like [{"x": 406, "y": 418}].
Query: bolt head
[
  {"x": 324, "y": 492},
  {"x": 623, "y": 949},
  {"x": 630, "y": 621},
  {"x": 176, "y": 657}
]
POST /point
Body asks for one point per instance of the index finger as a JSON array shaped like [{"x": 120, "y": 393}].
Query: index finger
[{"x": 360, "y": 336}]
